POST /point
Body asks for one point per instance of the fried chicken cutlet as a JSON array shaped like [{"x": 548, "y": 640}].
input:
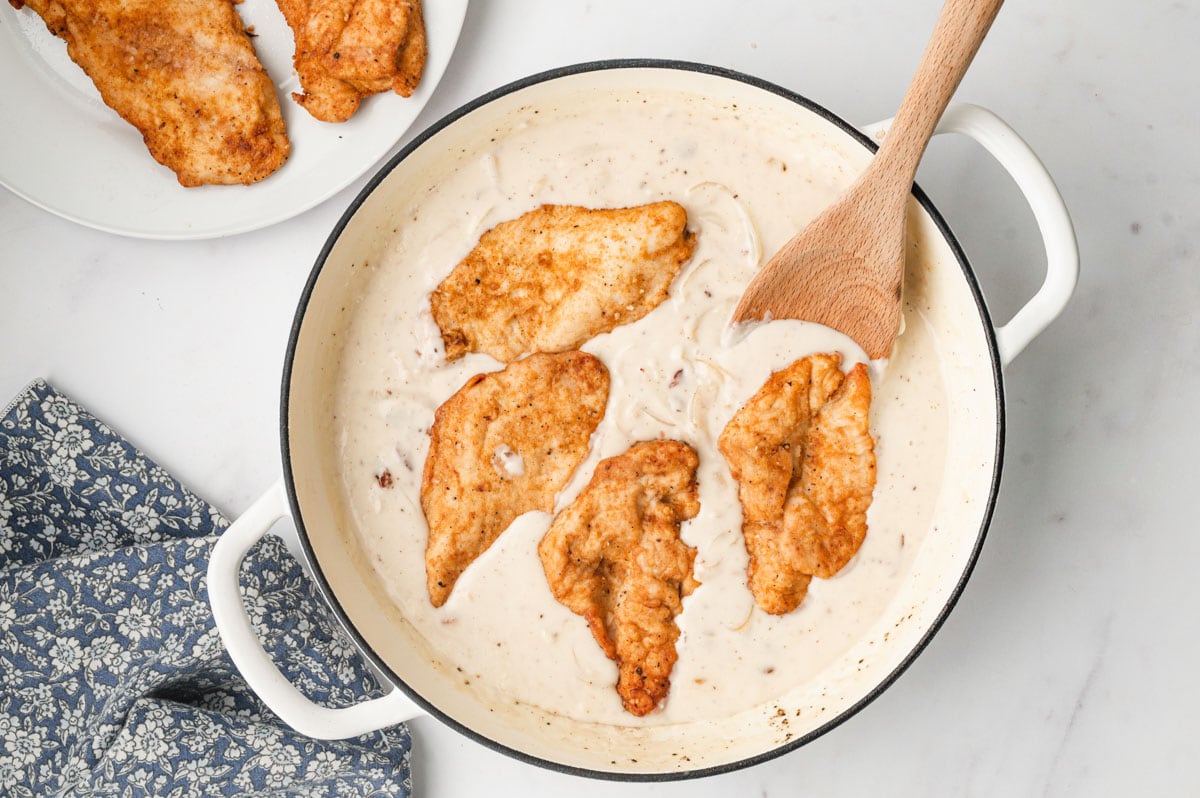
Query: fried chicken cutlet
[
  {"x": 614, "y": 556},
  {"x": 183, "y": 72},
  {"x": 350, "y": 49},
  {"x": 504, "y": 444},
  {"x": 558, "y": 275},
  {"x": 802, "y": 454}
]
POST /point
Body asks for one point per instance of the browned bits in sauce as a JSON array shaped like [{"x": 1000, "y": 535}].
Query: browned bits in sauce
[{"x": 384, "y": 479}]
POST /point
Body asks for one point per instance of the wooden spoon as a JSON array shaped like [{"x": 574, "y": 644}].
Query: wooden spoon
[{"x": 845, "y": 270}]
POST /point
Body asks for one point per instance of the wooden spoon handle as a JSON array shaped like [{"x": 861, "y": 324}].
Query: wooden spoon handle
[{"x": 959, "y": 32}]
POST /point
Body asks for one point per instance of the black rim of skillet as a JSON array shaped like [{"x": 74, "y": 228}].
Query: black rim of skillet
[{"x": 326, "y": 589}]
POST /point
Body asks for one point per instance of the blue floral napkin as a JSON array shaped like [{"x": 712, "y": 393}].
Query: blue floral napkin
[{"x": 113, "y": 680}]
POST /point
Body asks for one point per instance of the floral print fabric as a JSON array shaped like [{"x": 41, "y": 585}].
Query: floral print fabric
[{"x": 113, "y": 679}]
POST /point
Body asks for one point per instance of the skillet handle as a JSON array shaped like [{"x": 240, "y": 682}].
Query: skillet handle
[
  {"x": 1054, "y": 223},
  {"x": 255, "y": 665}
]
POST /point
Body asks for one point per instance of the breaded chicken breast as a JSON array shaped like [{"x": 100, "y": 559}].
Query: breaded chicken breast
[
  {"x": 614, "y": 556},
  {"x": 556, "y": 276},
  {"x": 350, "y": 49},
  {"x": 804, "y": 460},
  {"x": 504, "y": 444},
  {"x": 183, "y": 72}
]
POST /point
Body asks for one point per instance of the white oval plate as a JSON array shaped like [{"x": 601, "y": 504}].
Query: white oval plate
[{"x": 64, "y": 150}]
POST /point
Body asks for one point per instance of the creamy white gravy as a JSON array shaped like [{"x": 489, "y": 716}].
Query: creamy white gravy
[{"x": 747, "y": 187}]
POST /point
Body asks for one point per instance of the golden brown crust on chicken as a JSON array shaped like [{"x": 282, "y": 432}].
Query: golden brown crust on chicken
[
  {"x": 804, "y": 460},
  {"x": 838, "y": 478},
  {"x": 558, "y": 275},
  {"x": 183, "y": 72},
  {"x": 350, "y": 49},
  {"x": 614, "y": 556},
  {"x": 504, "y": 444}
]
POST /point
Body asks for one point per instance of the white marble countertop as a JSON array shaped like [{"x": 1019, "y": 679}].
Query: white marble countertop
[{"x": 1069, "y": 665}]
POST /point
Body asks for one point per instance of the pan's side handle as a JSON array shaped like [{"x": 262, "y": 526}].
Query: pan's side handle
[
  {"x": 255, "y": 665},
  {"x": 1054, "y": 223}
]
